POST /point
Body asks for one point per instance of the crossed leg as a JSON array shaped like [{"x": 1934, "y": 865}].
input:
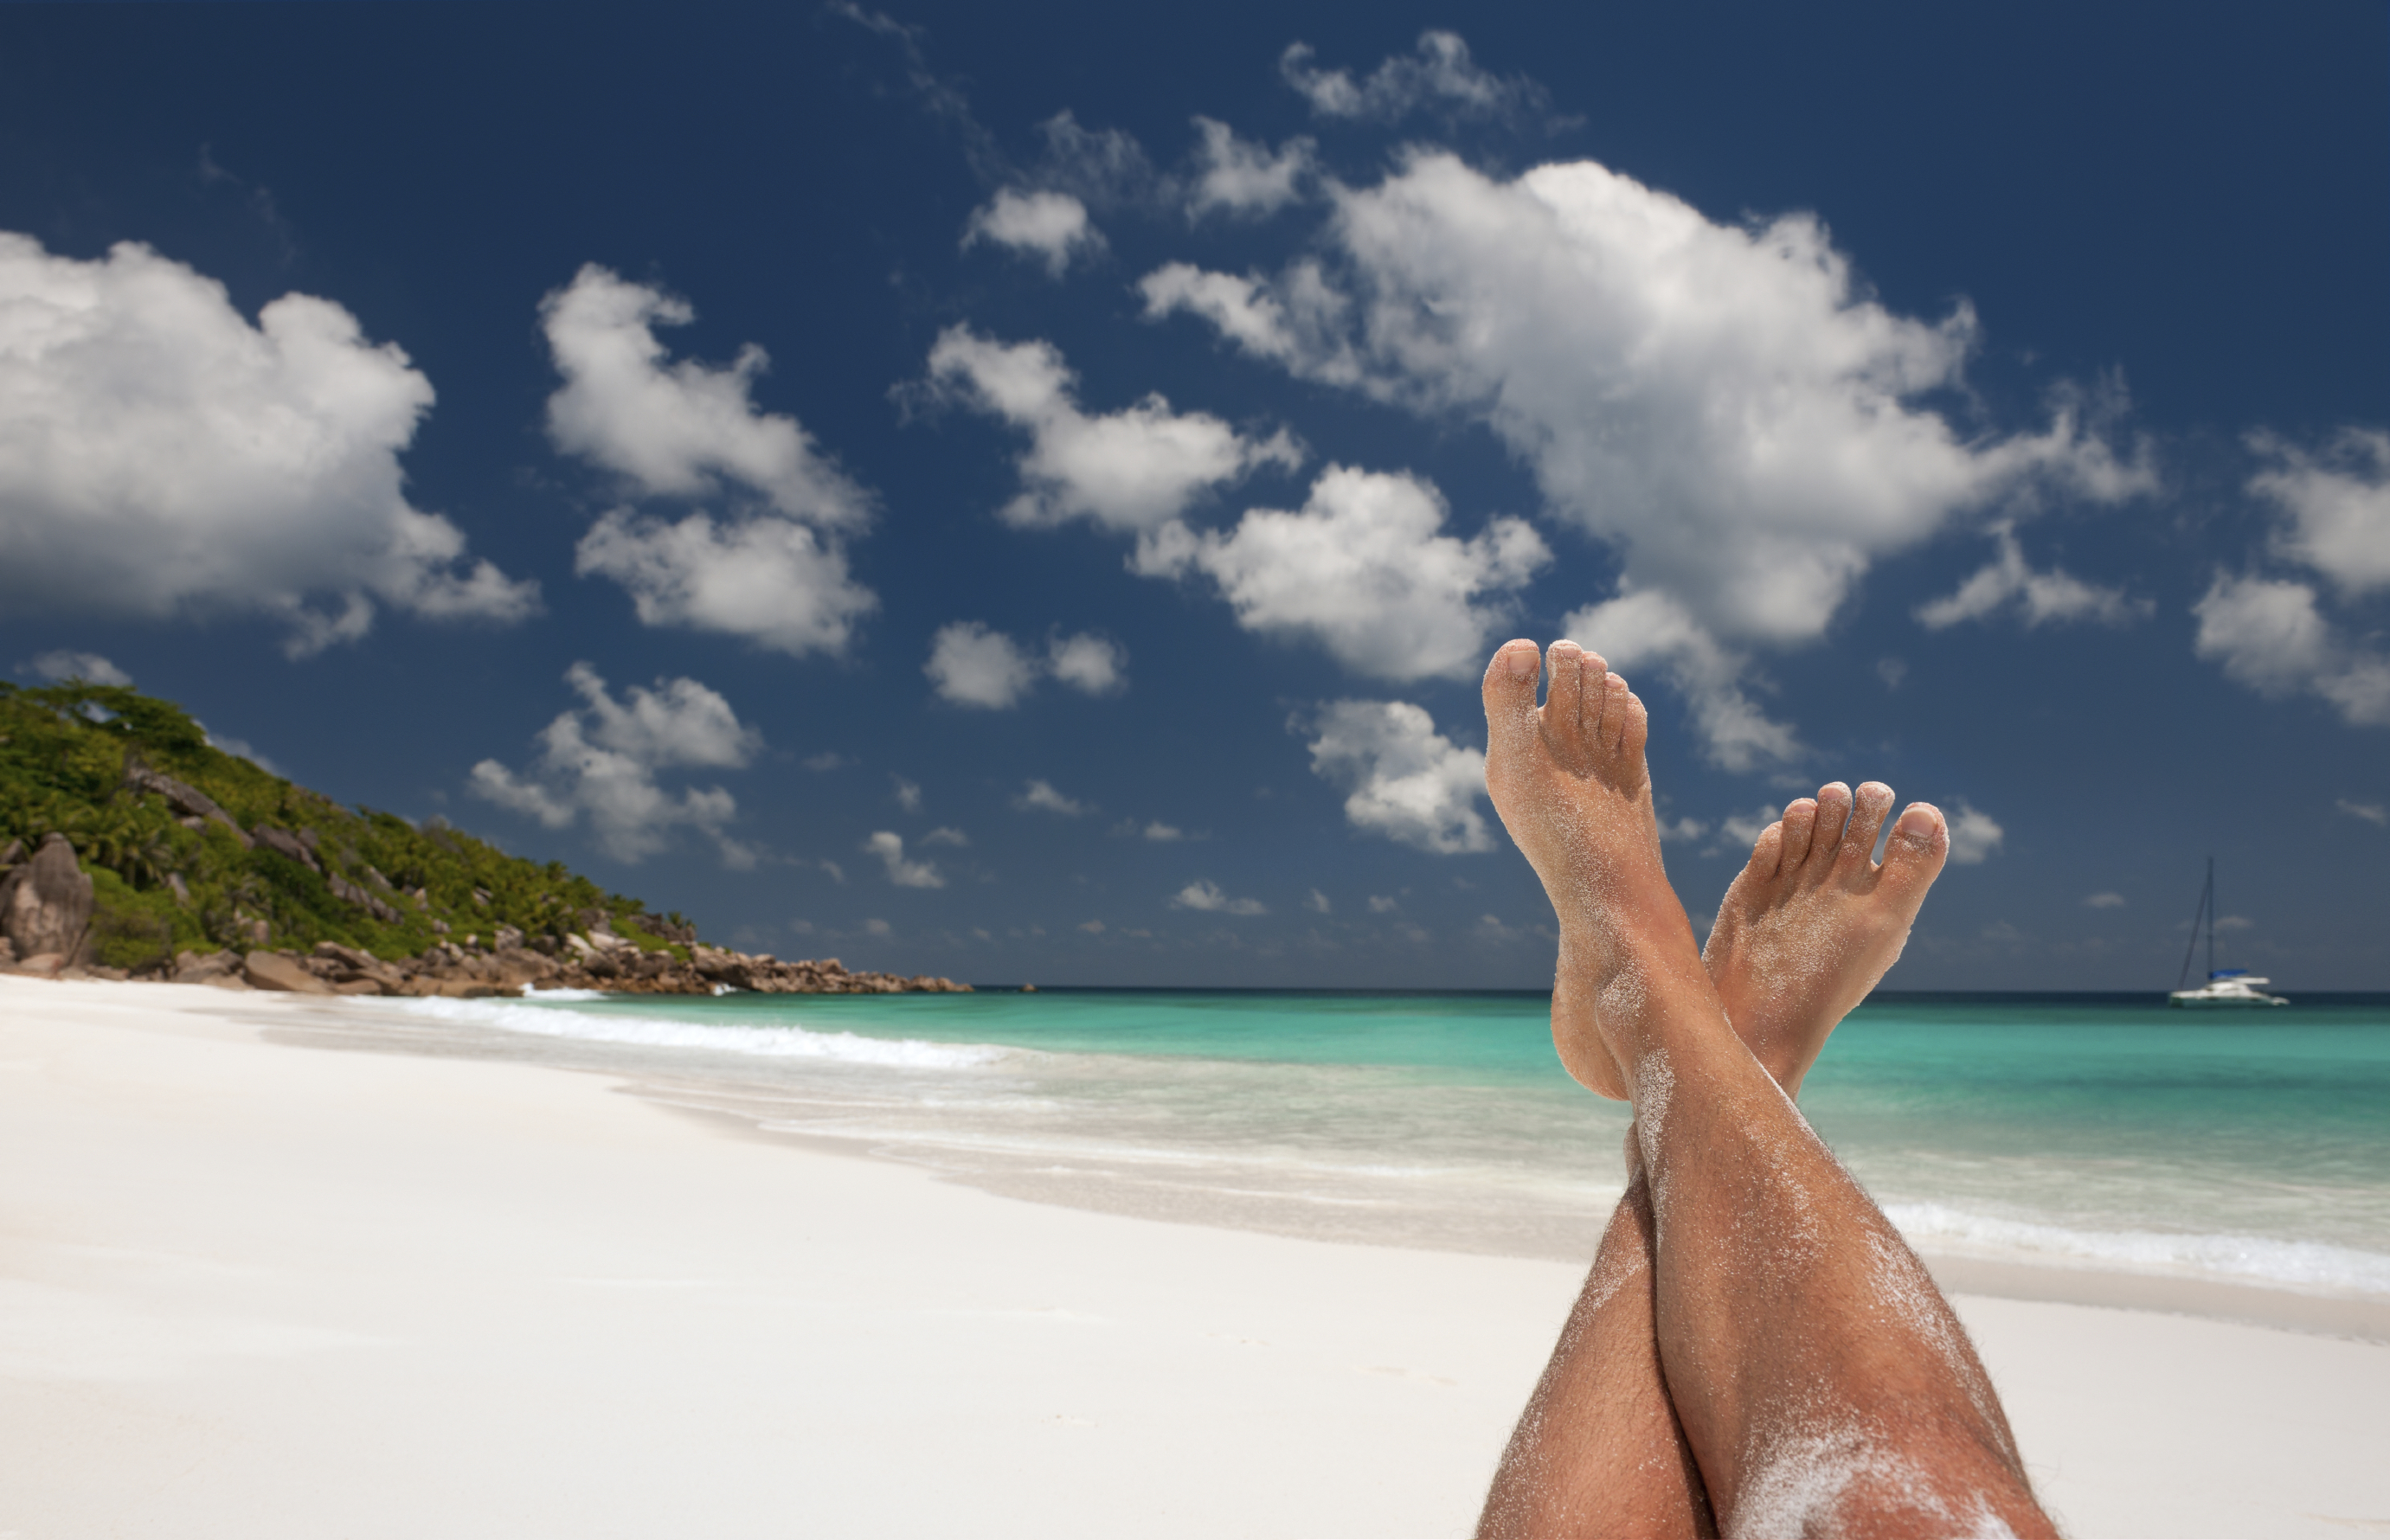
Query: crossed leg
[{"x": 1753, "y": 1334}]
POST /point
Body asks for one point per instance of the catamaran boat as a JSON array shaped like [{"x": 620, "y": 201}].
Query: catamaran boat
[
  {"x": 2224, "y": 986},
  {"x": 2228, "y": 986}
]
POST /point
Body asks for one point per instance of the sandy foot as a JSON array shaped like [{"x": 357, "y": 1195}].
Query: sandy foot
[
  {"x": 1570, "y": 783},
  {"x": 1812, "y": 922}
]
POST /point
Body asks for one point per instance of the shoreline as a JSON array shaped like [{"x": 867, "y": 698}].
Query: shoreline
[
  {"x": 2353, "y": 1316},
  {"x": 485, "y": 1298}
]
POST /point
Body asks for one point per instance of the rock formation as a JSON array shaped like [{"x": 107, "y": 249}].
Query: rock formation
[
  {"x": 283, "y": 842},
  {"x": 596, "y": 960},
  {"x": 280, "y": 971},
  {"x": 46, "y": 921},
  {"x": 190, "y": 801},
  {"x": 46, "y": 906}
]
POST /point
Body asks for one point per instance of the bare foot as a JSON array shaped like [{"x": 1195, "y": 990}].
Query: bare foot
[
  {"x": 1812, "y": 922},
  {"x": 1569, "y": 780}
]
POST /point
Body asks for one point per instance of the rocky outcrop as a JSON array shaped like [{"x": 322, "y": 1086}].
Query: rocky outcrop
[
  {"x": 46, "y": 904},
  {"x": 349, "y": 892},
  {"x": 595, "y": 960},
  {"x": 187, "y": 800},
  {"x": 282, "y": 972},
  {"x": 585, "y": 960},
  {"x": 220, "y": 969},
  {"x": 283, "y": 842}
]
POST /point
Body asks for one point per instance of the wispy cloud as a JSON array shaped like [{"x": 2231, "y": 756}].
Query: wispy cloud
[{"x": 1208, "y": 897}]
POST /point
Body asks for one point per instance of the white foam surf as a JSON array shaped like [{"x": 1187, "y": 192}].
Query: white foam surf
[
  {"x": 774, "y": 1041},
  {"x": 2297, "y": 1264}
]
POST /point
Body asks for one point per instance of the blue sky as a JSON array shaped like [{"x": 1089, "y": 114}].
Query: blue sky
[{"x": 1028, "y": 496}]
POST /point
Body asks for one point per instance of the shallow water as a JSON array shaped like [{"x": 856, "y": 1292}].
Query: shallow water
[{"x": 2084, "y": 1130}]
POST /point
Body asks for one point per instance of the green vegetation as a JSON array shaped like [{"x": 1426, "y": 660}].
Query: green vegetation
[{"x": 72, "y": 759}]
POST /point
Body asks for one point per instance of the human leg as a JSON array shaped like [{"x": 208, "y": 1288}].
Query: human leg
[
  {"x": 1820, "y": 1378},
  {"x": 1808, "y": 926},
  {"x": 1597, "y": 1451}
]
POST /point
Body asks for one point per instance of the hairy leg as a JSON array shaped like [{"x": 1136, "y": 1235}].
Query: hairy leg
[
  {"x": 1809, "y": 926},
  {"x": 1597, "y": 1451},
  {"x": 1819, "y": 1376}
]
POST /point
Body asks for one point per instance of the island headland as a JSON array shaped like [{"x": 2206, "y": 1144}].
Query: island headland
[{"x": 130, "y": 847}]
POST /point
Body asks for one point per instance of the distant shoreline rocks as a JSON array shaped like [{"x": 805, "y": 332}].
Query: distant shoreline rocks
[
  {"x": 47, "y": 912},
  {"x": 474, "y": 971}
]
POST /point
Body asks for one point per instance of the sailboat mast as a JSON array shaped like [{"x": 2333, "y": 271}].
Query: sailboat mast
[{"x": 2206, "y": 911}]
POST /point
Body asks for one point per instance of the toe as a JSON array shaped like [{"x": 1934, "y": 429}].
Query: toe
[
  {"x": 1800, "y": 822},
  {"x": 1510, "y": 690},
  {"x": 1565, "y": 716},
  {"x": 1833, "y": 812},
  {"x": 1767, "y": 852},
  {"x": 1634, "y": 730},
  {"x": 1869, "y": 806},
  {"x": 1614, "y": 712},
  {"x": 1913, "y": 856}
]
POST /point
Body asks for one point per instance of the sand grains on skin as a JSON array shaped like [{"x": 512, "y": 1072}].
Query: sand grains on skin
[
  {"x": 1569, "y": 781},
  {"x": 1813, "y": 922}
]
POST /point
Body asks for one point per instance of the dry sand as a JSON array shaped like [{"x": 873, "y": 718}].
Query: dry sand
[{"x": 252, "y": 1290}]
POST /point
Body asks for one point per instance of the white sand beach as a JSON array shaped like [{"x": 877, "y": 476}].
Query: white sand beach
[{"x": 254, "y": 1290}]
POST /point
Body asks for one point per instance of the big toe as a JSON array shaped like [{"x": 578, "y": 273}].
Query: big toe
[
  {"x": 1913, "y": 856},
  {"x": 1510, "y": 690}
]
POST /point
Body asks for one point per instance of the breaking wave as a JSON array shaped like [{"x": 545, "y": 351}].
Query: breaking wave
[
  {"x": 2306, "y": 1265},
  {"x": 775, "y": 1042}
]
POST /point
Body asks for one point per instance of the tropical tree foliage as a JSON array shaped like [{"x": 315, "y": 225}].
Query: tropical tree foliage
[{"x": 165, "y": 879}]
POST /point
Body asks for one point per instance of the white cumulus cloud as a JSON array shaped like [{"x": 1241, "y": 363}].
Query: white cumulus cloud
[
  {"x": 1208, "y": 897},
  {"x": 1126, "y": 470},
  {"x": 1041, "y": 796},
  {"x": 601, "y": 759},
  {"x": 1721, "y": 404},
  {"x": 1973, "y": 834},
  {"x": 774, "y": 582},
  {"x": 972, "y": 664},
  {"x": 1297, "y": 320},
  {"x": 1241, "y": 177},
  {"x": 1402, "y": 779},
  {"x": 2038, "y": 598},
  {"x": 775, "y": 569},
  {"x": 1051, "y": 226},
  {"x": 89, "y": 667},
  {"x": 1089, "y": 664},
  {"x": 2271, "y": 635},
  {"x": 890, "y": 848},
  {"x": 162, "y": 457},
  {"x": 2337, "y": 501},
  {"x": 1364, "y": 570},
  {"x": 676, "y": 429}
]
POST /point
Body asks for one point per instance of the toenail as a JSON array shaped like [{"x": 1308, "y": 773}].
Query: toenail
[
  {"x": 1522, "y": 662},
  {"x": 1916, "y": 824}
]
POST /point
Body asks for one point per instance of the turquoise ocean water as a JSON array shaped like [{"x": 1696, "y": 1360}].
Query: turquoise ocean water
[{"x": 2070, "y": 1130}]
